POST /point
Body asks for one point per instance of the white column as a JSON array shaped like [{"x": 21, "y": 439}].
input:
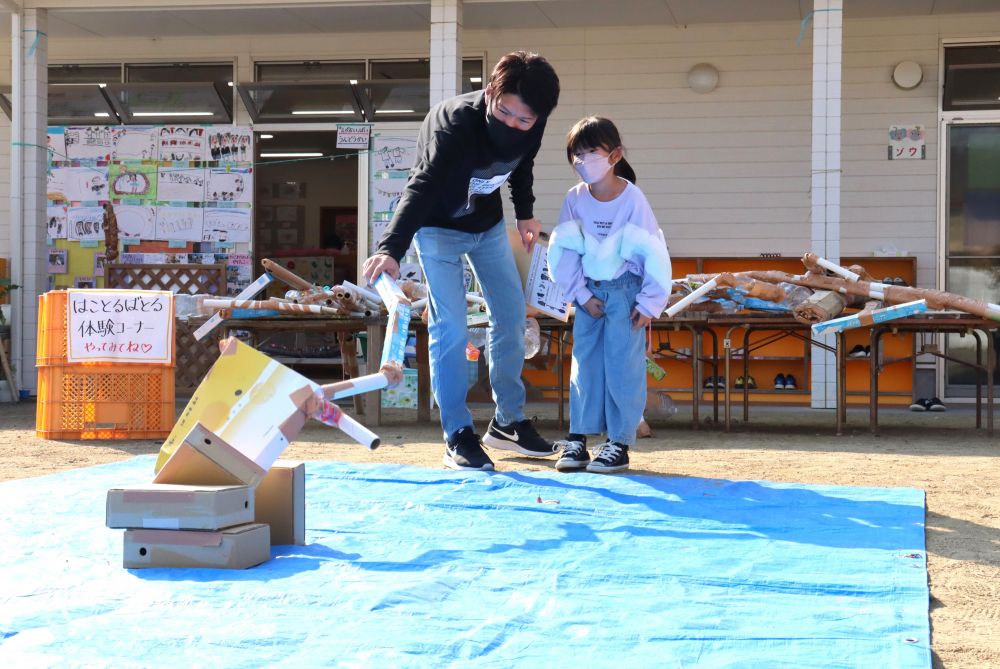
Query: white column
[
  {"x": 446, "y": 49},
  {"x": 29, "y": 267},
  {"x": 828, "y": 24}
]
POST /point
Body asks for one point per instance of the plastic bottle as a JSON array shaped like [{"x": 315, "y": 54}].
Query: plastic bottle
[
  {"x": 472, "y": 356},
  {"x": 532, "y": 338},
  {"x": 660, "y": 404}
]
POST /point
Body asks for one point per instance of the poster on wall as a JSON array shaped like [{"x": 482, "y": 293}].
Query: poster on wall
[
  {"x": 58, "y": 261},
  {"x": 57, "y": 144},
  {"x": 386, "y": 195},
  {"x": 184, "y": 143},
  {"x": 229, "y": 185},
  {"x": 907, "y": 142},
  {"x": 230, "y": 144},
  {"x": 85, "y": 223},
  {"x": 133, "y": 180},
  {"x": 136, "y": 221},
  {"x": 392, "y": 152},
  {"x": 176, "y": 184},
  {"x": 57, "y": 222},
  {"x": 92, "y": 142},
  {"x": 392, "y": 157},
  {"x": 179, "y": 223},
  {"x": 77, "y": 184},
  {"x": 226, "y": 225},
  {"x": 133, "y": 143}
]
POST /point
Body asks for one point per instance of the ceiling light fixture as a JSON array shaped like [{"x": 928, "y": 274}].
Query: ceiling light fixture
[
  {"x": 476, "y": 80},
  {"x": 102, "y": 114},
  {"x": 393, "y": 111},
  {"x": 320, "y": 112},
  {"x": 166, "y": 113},
  {"x": 267, "y": 136}
]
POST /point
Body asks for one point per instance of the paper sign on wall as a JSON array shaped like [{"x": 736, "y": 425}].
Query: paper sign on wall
[
  {"x": 540, "y": 291},
  {"x": 127, "y": 326},
  {"x": 177, "y": 184},
  {"x": 353, "y": 136},
  {"x": 907, "y": 143},
  {"x": 226, "y": 225}
]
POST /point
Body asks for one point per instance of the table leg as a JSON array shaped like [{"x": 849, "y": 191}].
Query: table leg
[
  {"x": 841, "y": 384},
  {"x": 349, "y": 364},
  {"x": 728, "y": 397},
  {"x": 560, "y": 353},
  {"x": 696, "y": 375},
  {"x": 423, "y": 376},
  {"x": 873, "y": 357},
  {"x": 376, "y": 332},
  {"x": 990, "y": 362},
  {"x": 979, "y": 385}
]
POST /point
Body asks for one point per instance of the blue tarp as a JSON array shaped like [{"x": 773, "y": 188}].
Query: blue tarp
[{"x": 410, "y": 567}]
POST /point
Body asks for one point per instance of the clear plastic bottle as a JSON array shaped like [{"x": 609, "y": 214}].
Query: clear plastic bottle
[
  {"x": 532, "y": 338},
  {"x": 659, "y": 404}
]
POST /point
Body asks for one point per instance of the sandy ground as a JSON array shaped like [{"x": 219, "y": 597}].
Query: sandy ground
[{"x": 942, "y": 454}]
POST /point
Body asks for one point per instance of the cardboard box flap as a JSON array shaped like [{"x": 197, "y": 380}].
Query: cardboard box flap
[{"x": 203, "y": 458}]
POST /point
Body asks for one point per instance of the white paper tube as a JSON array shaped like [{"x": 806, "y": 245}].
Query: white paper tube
[
  {"x": 260, "y": 284},
  {"x": 683, "y": 303},
  {"x": 362, "y": 384},
  {"x": 837, "y": 269},
  {"x": 370, "y": 295},
  {"x": 330, "y": 414},
  {"x": 420, "y": 304},
  {"x": 472, "y": 297}
]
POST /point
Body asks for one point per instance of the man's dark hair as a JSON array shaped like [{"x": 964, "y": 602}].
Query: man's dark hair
[{"x": 529, "y": 76}]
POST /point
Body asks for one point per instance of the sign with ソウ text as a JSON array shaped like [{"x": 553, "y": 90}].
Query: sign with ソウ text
[{"x": 127, "y": 326}]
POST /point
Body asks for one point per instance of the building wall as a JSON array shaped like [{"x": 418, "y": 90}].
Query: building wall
[{"x": 726, "y": 172}]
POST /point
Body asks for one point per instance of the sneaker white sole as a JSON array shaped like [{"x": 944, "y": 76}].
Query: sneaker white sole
[
  {"x": 602, "y": 469},
  {"x": 570, "y": 465},
  {"x": 917, "y": 407},
  {"x": 451, "y": 464},
  {"x": 505, "y": 445},
  {"x": 937, "y": 408}
]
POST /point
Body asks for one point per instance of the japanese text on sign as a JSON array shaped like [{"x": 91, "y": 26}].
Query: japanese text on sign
[
  {"x": 353, "y": 136},
  {"x": 907, "y": 143},
  {"x": 128, "y": 326}
]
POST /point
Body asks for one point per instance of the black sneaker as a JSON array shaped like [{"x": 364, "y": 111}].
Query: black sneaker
[
  {"x": 574, "y": 453},
  {"x": 611, "y": 457},
  {"x": 520, "y": 437},
  {"x": 465, "y": 452}
]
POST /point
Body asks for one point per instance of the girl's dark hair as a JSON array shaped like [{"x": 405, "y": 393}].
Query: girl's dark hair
[
  {"x": 529, "y": 76},
  {"x": 595, "y": 132}
]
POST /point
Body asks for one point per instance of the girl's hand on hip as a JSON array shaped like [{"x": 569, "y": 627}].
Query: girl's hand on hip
[
  {"x": 639, "y": 319},
  {"x": 377, "y": 264},
  {"x": 594, "y": 307}
]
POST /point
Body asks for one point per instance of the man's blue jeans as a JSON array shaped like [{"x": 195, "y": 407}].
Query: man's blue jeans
[{"x": 440, "y": 251}]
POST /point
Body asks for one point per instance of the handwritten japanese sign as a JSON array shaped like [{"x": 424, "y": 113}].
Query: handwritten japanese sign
[
  {"x": 127, "y": 326},
  {"x": 353, "y": 136},
  {"x": 907, "y": 143}
]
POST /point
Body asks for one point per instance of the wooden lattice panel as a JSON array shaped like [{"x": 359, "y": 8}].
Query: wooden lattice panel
[
  {"x": 194, "y": 357},
  {"x": 187, "y": 279}
]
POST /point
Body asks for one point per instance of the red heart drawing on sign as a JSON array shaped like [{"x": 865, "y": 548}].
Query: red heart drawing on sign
[{"x": 146, "y": 348}]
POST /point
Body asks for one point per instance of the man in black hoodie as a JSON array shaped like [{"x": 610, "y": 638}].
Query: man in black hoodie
[{"x": 467, "y": 148}]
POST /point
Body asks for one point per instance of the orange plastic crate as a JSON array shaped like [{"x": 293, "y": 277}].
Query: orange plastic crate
[
  {"x": 51, "y": 329},
  {"x": 105, "y": 402}
]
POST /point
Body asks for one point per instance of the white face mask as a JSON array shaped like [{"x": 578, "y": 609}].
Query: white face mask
[{"x": 592, "y": 167}]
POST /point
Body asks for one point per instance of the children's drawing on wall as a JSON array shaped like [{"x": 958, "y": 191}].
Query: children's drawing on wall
[
  {"x": 229, "y": 185},
  {"x": 100, "y": 260},
  {"x": 182, "y": 143},
  {"x": 133, "y": 143},
  {"x": 175, "y": 184},
  {"x": 227, "y": 225},
  {"x": 86, "y": 223},
  {"x": 87, "y": 282},
  {"x": 230, "y": 144},
  {"x": 58, "y": 262},
  {"x": 411, "y": 271},
  {"x": 57, "y": 225},
  {"x": 94, "y": 142},
  {"x": 393, "y": 153},
  {"x": 57, "y": 144},
  {"x": 387, "y": 195},
  {"x": 136, "y": 221},
  {"x": 179, "y": 223},
  {"x": 77, "y": 184},
  {"x": 133, "y": 180}
]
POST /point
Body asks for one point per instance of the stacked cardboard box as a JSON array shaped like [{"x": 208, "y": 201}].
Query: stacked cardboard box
[{"x": 210, "y": 506}]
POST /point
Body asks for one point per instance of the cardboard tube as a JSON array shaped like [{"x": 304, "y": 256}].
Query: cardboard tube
[
  {"x": 357, "y": 386},
  {"x": 812, "y": 261},
  {"x": 683, "y": 303},
  {"x": 330, "y": 414},
  {"x": 370, "y": 294},
  {"x": 289, "y": 277}
]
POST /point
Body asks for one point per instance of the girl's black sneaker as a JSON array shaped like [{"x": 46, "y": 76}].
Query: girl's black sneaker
[{"x": 611, "y": 457}]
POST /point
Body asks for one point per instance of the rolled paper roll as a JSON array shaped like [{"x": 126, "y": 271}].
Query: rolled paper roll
[
  {"x": 393, "y": 373},
  {"x": 286, "y": 275},
  {"x": 683, "y": 303},
  {"x": 370, "y": 294},
  {"x": 330, "y": 414},
  {"x": 357, "y": 386}
]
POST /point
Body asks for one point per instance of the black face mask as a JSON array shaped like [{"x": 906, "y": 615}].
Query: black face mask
[{"x": 508, "y": 142}]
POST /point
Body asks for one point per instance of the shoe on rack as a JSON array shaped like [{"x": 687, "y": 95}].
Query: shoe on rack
[
  {"x": 464, "y": 452},
  {"x": 779, "y": 382},
  {"x": 574, "y": 453},
  {"x": 520, "y": 437},
  {"x": 923, "y": 404},
  {"x": 611, "y": 457},
  {"x": 790, "y": 382},
  {"x": 859, "y": 351},
  {"x": 899, "y": 281},
  {"x": 709, "y": 382},
  {"x": 751, "y": 383},
  {"x": 934, "y": 404},
  {"x": 739, "y": 383}
]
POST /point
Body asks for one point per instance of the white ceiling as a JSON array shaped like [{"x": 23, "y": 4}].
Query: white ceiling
[{"x": 477, "y": 15}]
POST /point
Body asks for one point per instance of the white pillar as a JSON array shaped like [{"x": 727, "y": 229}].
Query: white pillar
[
  {"x": 446, "y": 49},
  {"x": 29, "y": 267},
  {"x": 828, "y": 24}
]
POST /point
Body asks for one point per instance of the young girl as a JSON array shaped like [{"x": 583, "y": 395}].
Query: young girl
[{"x": 608, "y": 255}]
